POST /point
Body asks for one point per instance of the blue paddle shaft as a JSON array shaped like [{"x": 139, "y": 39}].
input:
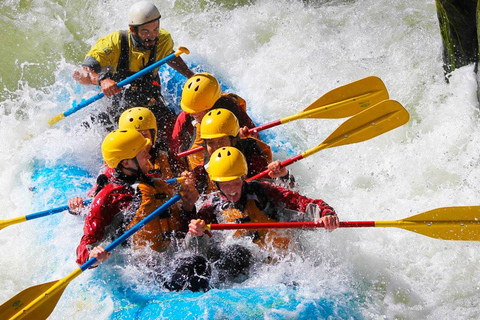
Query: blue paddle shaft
[
  {"x": 134, "y": 229},
  {"x": 120, "y": 84},
  {"x": 51, "y": 211}
]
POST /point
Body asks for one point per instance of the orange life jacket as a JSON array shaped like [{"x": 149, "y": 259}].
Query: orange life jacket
[
  {"x": 162, "y": 166},
  {"x": 157, "y": 233},
  {"x": 196, "y": 159},
  {"x": 265, "y": 148},
  {"x": 269, "y": 239}
]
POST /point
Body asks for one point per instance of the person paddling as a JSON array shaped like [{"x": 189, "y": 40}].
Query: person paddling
[
  {"x": 126, "y": 152},
  {"x": 120, "y": 54},
  {"x": 163, "y": 165},
  {"x": 238, "y": 201},
  {"x": 200, "y": 94},
  {"x": 220, "y": 128}
]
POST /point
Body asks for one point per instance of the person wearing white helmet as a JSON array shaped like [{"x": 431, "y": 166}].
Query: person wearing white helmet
[{"x": 120, "y": 54}]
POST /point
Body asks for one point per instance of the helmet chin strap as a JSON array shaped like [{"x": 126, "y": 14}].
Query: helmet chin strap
[{"x": 136, "y": 172}]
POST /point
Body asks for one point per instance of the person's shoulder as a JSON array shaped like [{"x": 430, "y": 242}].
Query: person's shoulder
[
  {"x": 257, "y": 186},
  {"x": 165, "y": 40},
  {"x": 113, "y": 37},
  {"x": 162, "y": 33},
  {"x": 248, "y": 146},
  {"x": 106, "y": 45},
  {"x": 183, "y": 118}
]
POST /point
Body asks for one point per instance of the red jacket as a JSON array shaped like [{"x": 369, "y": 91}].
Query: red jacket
[
  {"x": 105, "y": 217},
  {"x": 271, "y": 199}
]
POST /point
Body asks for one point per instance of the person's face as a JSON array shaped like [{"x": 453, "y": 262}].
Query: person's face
[
  {"x": 147, "y": 134},
  {"x": 198, "y": 116},
  {"x": 148, "y": 33},
  {"x": 214, "y": 144},
  {"x": 232, "y": 189},
  {"x": 142, "y": 158}
]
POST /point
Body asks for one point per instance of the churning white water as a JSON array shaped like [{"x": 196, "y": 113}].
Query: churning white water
[{"x": 280, "y": 56}]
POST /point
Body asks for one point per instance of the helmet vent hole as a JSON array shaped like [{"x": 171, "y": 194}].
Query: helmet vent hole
[
  {"x": 229, "y": 153},
  {"x": 140, "y": 118},
  {"x": 219, "y": 113},
  {"x": 196, "y": 88}
]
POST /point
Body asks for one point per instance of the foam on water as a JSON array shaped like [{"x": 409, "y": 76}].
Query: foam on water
[{"x": 280, "y": 56}]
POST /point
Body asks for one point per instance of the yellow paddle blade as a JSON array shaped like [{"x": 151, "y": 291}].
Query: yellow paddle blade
[
  {"x": 6, "y": 223},
  {"x": 374, "y": 121},
  {"x": 56, "y": 119},
  {"x": 348, "y": 100},
  {"x": 16, "y": 304},
  {"x": 449, "y": 223},
  {"x": 36, "y": 302}
]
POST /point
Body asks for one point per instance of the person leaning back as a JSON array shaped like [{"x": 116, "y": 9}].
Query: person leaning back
[{"x": 120, "y": 54}]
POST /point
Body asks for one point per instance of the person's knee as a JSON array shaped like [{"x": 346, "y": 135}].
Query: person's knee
[
  {"x": 192, "y": 274},
  {"x": 236, "y": 261}
]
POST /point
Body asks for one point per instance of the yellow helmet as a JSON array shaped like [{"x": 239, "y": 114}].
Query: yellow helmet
[
  {"x": 139, "y": 118},
  {"x": 200, "y": 93},
  {"x": 120, "y": 145},
  {"x": 219, "y": 123},
  {"x": 227, "y": 164}
]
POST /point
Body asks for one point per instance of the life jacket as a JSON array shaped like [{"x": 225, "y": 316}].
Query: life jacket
[
  {"x": 145, "y": 90},
  {"x": 161, "y": 166},
  {"x": 239, "y": 101},
  {"x": 267, "y": 151},
  {"x": 269, "y": 239},
  {"x": 196, "y": 159},
  {"x": 158, "y": 233}
]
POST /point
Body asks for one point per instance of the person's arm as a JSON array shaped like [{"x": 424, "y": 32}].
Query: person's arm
[
  {"x": 205, "y": 215},
  {"x": 107, "y": 204},
  {"x": 86, "y": 76},
  {"x": 189, "y": 192},
  {"x": 182, "y": 131},
  {"x": 295, "y": 201},
  {"x": 75, "y": 205},
  {"x": 276, "y": 170},
  {"x": 180, "y": 65},
  {"x": 93, "y": 232},
  {"x": 96, "y": 68}
]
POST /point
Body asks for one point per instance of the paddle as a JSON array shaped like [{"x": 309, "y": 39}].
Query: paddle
[
  {"x": 342, "y": 102},
  {"x": 38, "y": 302},
  {"x": 372, "y": 122},
  {"x": 449, "y": 223},
  {"x": 6, "y": 223},
  {"x": 75, "y": 107}
]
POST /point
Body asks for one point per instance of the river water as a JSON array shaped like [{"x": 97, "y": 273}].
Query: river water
[{"x": 280, "y": 56}]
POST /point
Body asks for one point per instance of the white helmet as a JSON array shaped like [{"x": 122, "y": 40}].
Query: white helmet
[{"x": 141, "y": 13}]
